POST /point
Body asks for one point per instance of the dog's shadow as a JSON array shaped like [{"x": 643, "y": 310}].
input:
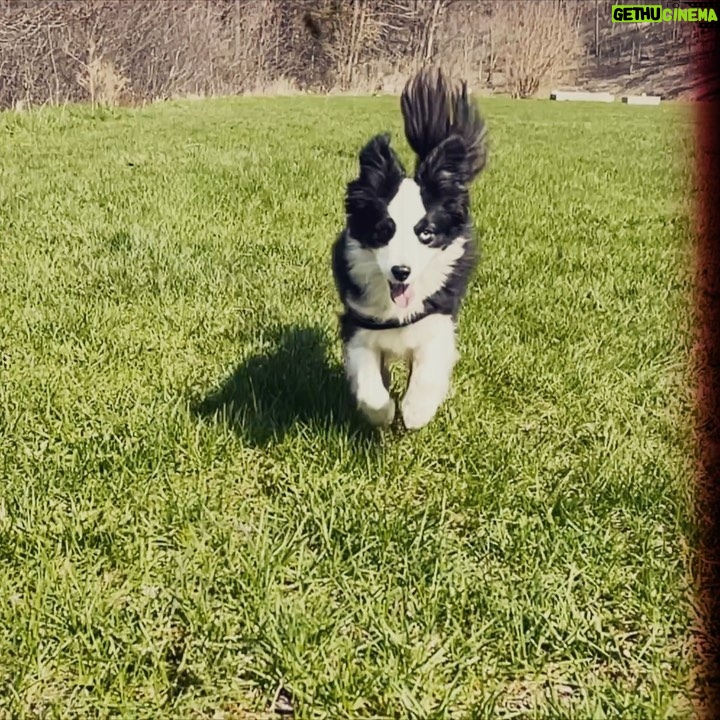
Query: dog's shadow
[{"x": 291, "y": 384}]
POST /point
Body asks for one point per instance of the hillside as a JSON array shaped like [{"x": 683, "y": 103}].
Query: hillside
[{"x": 656, "y": 59}]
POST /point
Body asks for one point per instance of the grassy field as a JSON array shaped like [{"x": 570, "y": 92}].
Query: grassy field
[{"x": 192, "y": 517}]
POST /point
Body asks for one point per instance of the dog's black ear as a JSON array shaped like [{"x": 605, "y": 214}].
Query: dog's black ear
[
  {"x": 380, "y": 168},
  {"x": 434, "y": 110},
  {"x": 446, "y": 169},
  {"x": 367, "y": 197}
]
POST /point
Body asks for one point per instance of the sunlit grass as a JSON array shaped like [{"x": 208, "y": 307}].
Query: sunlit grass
[{"x": 191, "y": 513}]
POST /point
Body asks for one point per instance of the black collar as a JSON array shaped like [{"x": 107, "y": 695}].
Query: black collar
[{"x": 367, "y": 323}]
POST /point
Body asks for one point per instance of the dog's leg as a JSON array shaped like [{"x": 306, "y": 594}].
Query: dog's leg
[
  {"x": 385, "y": 370},
  {"x": 432, "y": 367},
  {"x": 365, "y": 371}
]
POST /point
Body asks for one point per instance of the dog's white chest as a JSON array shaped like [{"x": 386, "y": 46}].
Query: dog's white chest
[{"x": 405, "y": 342}]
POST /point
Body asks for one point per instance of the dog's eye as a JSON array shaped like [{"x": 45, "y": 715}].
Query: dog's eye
[{"x": 425, "y": 236}]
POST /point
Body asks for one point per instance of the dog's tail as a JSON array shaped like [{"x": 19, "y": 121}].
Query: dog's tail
[{"x": 437, "y": 113}]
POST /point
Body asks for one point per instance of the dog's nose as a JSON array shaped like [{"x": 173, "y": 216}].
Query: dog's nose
[{"x": 400, "y": 272}]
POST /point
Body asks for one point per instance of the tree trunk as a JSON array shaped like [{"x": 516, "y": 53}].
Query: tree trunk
[
  {"x": 597, "y": 30},
  {"x": 429, "y": 49},
  {"x": 355, "y": 32}
]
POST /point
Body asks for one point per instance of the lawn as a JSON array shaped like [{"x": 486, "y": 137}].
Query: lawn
[{"x": 193, "y": 519}]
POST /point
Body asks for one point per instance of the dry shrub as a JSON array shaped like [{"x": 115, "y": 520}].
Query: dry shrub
[
  {"x": 280, "y": 86},
  {"x": 538, "y": 42},
  {"x": 103, "y": 83},
  {"x": 343, "y": 35},
  {"x": 465, "y": 43},
  {"x": 106, "y": 51}
]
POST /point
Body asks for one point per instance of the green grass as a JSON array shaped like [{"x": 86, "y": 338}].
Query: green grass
[{"x": 191, "y": 513}]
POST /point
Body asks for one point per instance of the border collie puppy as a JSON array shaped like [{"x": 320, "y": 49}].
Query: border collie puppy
[{"x": 404, "y": 260}]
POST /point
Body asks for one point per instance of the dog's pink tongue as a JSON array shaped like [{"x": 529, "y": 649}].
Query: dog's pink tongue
[{"x": 401, "y": 295}]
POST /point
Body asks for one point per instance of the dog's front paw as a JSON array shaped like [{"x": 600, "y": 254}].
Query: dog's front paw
[
  {"x": 418, "y": 411},
  {"x": 379, "y": 411}
]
